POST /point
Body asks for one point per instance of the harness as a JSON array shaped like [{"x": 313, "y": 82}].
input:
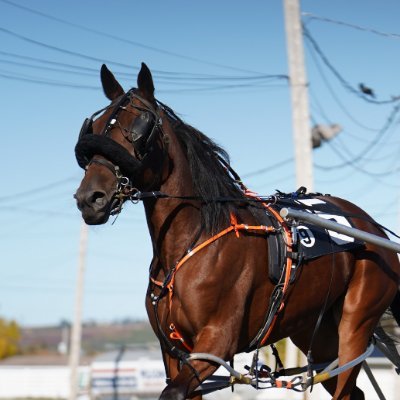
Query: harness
[
  {"x": 119, "y": 162},
  {"x": 277, "y": 299}
]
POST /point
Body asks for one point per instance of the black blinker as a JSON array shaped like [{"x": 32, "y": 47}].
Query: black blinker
[
  {"x": 86, "y": 128},
  {"x": 141, "y": 129}
]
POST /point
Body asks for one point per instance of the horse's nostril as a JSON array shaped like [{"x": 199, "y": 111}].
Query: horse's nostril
[{"x": 97, "y": 199}]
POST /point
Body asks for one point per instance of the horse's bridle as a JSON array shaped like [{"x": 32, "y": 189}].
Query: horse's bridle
[{"x": 141, "y": 134}]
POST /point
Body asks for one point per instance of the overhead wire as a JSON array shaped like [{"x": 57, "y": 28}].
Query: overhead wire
[
  {"x": 195, "y": 86},
  {"x": 30, "y": 192},
  {"x": 364, "y": 140},
  {"x": 335, "y": 72},
  {"x": 336, "y": 98},
  {"x": 269, "y": 168},
  {"x": 359, "y": 168},
  {"x": 215, "y": 88},
  {"x": 122, "y": 39},
  {"x": 43, "y": 68},
  {"x": 48, "y": 213},
  {"x": 312, "y": 16},
  {"x": 378, "y": 137},
  {"x": 31, "y": 79},
  {"x": 10, "y": 76},
  {"x": 61, "y": 50},
  {"x": 253, "y": 81},
  {"x": 173, "y": 75},
  {"x": 318, "y": 105},
  {"x": 50, "y": 186},
  {"x": 42, "y": 60},
  {"x": 167, "y": 76},
  {"x": 354, "y": 161}
]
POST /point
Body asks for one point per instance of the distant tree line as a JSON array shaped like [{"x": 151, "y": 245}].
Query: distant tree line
[{"x": 9, "y": 338}]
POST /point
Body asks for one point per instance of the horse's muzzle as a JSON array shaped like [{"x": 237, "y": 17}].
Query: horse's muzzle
[{"x": 95, "y": 206}]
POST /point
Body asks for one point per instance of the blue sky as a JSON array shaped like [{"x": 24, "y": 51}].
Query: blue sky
[{"x": 245, "y": 107}]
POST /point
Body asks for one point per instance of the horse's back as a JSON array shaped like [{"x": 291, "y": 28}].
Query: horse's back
[{"x": 376, "y": 272}]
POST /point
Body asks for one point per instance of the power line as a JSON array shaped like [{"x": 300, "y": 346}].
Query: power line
[
  {"x": 36, "y": 190},
  {"x": 259, "y": 81},
  {"x": 172, "y": 76},
  {"x": 359, "y": 168},
  {"x": 160, "y": 73},
  {"x": 47, "y": 213},
  {"x": 370, "y": 146},
  {"x": 61, "y": 50},
  {"x": 268, "y": 169},
  {"x": 346, "y": 84},
  {"x": 222, "y": 87},
  {"x": 44, "y": 61},
  {"x": 54, "y": 69},
  {"x": 124, "y": 40},
  {"x": 312, "y": 16},
  {"x": 167, "y": 76},
  {"x": 336, "y": 98},
  {"x": 9, "y": 76}
]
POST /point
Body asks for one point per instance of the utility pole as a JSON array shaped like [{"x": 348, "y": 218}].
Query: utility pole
[
  {"x": 76, "y": 333},
  {"x": 300, "y": 118},
  {"x": 299, "y": 95}
]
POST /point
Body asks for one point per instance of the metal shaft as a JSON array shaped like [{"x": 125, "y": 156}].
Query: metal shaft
[
  {"x": 374, "y": 383},
  {"x": 334, "y": 226}
]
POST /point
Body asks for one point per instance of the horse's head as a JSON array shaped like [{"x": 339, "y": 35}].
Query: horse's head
[{"x": 119, "y": 147}]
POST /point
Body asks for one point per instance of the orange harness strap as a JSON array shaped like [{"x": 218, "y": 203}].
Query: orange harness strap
[
  {"x": 234, "y": 227},
  {"x": 175, "y": 335},
  {"x": 284, "y": 384}
]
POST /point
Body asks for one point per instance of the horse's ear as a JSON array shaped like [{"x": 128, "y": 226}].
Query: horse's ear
[
  {"x": 145, "y": 83},
  {"x": 112, "y": 89}
]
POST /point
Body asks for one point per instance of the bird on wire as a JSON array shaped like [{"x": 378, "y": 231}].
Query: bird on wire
[{"x": 366, "y": 90}]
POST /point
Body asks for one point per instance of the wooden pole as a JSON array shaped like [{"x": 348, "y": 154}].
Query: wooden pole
[
  {"x": 76, "y": 333},
  {"x": 299, "y": 95}
]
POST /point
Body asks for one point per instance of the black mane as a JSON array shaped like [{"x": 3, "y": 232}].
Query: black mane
[{"x": 212, "y": 182}]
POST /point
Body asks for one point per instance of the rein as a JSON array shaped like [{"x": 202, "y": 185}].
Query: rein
[{"x": 135, "y": 196}]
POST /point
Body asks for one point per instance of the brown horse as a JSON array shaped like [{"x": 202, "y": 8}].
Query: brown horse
[{"x": 209, "y": 290}]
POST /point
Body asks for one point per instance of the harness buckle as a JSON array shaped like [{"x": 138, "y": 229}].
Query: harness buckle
[{"x": 134, "y": 195}]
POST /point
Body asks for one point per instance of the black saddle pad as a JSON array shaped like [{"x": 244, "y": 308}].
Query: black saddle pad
[{"x": 314, "y": 241}]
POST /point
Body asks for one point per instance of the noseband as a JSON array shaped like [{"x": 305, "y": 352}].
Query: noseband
[
  {"x": 117, "y": 159},
  {"x": 124, "y": 188}
]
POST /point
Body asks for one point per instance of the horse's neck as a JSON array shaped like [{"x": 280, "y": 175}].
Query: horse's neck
[{"x": 173, "y": 223}]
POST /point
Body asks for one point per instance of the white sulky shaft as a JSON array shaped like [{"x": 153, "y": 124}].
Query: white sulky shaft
[{"x": 334, "y": 226}]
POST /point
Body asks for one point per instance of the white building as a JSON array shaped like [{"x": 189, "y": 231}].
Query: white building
[{"x": 139, "y": 374}]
